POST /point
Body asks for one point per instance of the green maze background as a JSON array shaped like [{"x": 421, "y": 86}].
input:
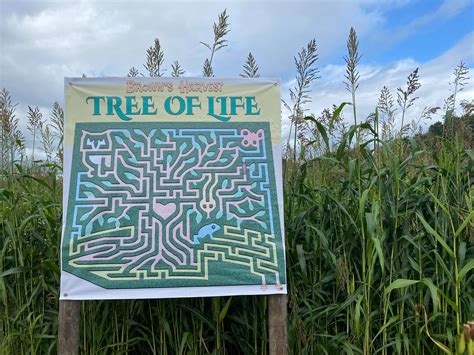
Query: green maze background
[{"x": 173, "y": 205}]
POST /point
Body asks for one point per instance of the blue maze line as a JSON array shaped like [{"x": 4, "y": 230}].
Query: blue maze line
[
  {"x": 79, "y": 183},
  {"x": 76, "y": 206},
  {"x": 266, "y": 182}
]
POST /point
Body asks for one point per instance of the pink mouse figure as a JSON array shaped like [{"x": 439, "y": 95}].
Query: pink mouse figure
[{"x": 251, "y": 138}]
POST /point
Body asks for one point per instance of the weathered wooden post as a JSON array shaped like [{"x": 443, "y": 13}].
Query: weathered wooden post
[
  {"x": 277, "y": 324},
  {"x": 68, "y": 333}
]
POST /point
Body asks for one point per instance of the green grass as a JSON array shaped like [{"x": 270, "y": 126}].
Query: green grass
[
  {"x": 379, "y": 243},
  {"x": 380, "y": 259}
]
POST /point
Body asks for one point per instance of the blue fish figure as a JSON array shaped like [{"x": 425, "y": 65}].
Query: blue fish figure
[{"x": 206, "y": 231}]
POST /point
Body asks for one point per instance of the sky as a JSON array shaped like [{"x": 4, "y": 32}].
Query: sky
[{"x": 41, "y": 42}]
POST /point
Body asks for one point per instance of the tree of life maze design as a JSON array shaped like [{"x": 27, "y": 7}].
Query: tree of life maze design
[{"x": 173, "y": 205}]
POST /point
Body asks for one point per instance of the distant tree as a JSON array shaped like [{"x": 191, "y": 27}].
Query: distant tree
[{"x": 436, "y": 129}]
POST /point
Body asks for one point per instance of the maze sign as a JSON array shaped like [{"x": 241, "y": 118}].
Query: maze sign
[{"x": 172, "y": 188}]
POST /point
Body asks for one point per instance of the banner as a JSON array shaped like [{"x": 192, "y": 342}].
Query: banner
[{"x": 172, "y": 188}]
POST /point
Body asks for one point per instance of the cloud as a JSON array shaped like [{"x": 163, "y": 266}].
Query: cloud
[
  {"x": 43, "y": 42},
  {"x": 435, "y": 76}
]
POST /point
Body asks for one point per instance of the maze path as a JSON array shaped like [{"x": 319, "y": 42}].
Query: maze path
[{"x": 172, "y": 205}]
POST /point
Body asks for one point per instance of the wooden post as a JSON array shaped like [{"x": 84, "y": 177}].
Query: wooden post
[
  {"x": 68, "y": 332},
  {"x": 277, "y": 325}
]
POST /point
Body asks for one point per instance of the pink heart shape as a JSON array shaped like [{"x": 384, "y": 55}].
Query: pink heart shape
[{"x": 164, "y": 209}]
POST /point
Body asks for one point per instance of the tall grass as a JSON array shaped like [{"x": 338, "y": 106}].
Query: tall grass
[
  {"x": 380, "y": 232},
  {"x": 394, "y": 259},
  {"x": 379, "y": 261}
]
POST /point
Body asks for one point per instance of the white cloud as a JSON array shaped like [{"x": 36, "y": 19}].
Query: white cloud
[
  {"x": 40, "y": 46},
  {"x": 435, "y": 77},
  {"x": 42, "y": 42}
]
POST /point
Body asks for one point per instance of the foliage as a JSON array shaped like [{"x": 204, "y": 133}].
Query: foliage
[
  {"x": 405, "y": 97},
  {"x": 220, "y": 29},
  {"x": 250, "y": 68},
  {"x": 352, "y": 62},
  {"x": 176, "y": 70},
  {"x": 133, "y": 72},
  {"x": 154, "y": 60},
  {"x": 306, "y": 74}
]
